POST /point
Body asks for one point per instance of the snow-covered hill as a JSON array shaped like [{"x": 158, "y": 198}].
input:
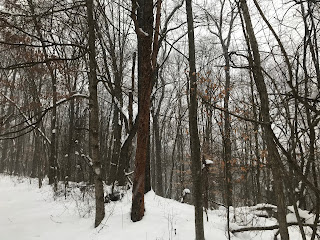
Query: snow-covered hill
[{"x": 28, "y": 213}]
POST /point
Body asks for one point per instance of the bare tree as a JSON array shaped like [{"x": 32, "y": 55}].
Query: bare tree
[
  {"x": 145, "y": 36},
  {"x": 273, "y": 154},
  {"x": 94, "y": 117},
  {"x": 193, "y": 126}
]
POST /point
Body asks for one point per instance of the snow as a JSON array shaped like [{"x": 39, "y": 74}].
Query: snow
[
  {"x": 208, "y": 162},
  {"x": 97, "y": 171},
  {"x": 304, "y": 215},
  {"x": 80, "y": 95},
  {"x": 291, "y": 217},
  {"x": 143, "y": 32},
  {"x": 265, "y": 205},
  {"x": 129, "y": 173},
  {"x": 28, "y": 212},
  {"x": 186, "y": 191},
  {"x": 73, "y": 95}
]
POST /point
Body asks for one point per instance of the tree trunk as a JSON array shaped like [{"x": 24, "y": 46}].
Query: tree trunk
[
  {"x": 193, "y": 126},
  {"x": 144, "y": 88},
  {"x": 130, "y": 105},
  {"x": 71, "y": 140},
  {"x": 147, "y": 181},
  {"x": 256, "y": 145},
  {"x": 94, "y": 118},
  {"x": 116, "y": 136},
  {"x": 273, "y": 154},
  {"x": 4, "y": 142},
  {"x": 158, "y": 164},
  {"x": 227, "y": 129},
  {"x": 36, "y": 154}
]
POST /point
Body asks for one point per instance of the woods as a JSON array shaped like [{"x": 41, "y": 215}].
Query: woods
[{"x": 216, "y": 98}]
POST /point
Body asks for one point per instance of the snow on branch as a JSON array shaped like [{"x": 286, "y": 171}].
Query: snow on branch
[{"x": 208, "y": 162}]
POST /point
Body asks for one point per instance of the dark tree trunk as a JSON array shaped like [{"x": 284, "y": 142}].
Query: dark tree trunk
[
  {"x": 256, "y": 145},
  {"x": 125, "y": 154},
  {"x": 116, "y": 136},
  {"x": 19, "y": 153},
  {"x": 53, "y": 168},
  {"x": 147, "y": 182},
  {"x": 71, "y": 142},
  {"x": 94, "y": 118},
  {"x": 157, "y": 139},
  {"x": 130, "y": 107},
  {"x": 158, "y": 162},
  {"x": 3, "y": 142},
  {"x": 144, "y": 88},
  {"x": 227, "y": 129},
  {"x": 205, "y": 175},
  {"x": 36, "y": 155},
  {"x": 153, "y": 163},
  {"x": 273, "y": 154},
  {"x": 193, "y": 126}
]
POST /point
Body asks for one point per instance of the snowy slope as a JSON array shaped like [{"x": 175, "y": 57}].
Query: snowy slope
[{"x": 27, "y": 212}]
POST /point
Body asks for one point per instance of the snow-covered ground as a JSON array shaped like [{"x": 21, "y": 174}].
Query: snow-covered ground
[{"x": 28, "y": 213}]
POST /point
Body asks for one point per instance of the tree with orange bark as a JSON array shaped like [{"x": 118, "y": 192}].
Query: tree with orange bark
[{"x": 142, "y": 15}]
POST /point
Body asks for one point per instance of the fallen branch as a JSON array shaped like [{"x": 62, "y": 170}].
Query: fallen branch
[{"x": 273, "y": 227}]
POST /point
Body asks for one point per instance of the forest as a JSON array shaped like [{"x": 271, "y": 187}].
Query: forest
[{"x": 212, "y": 103}]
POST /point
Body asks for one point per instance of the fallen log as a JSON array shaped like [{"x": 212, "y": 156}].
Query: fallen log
[{"x": 264, "y": 228}]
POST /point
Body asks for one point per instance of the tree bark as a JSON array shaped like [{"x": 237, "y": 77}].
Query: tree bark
[
  {"x": 147, "y": 182},
  {"x": 273, "y": 154},
  {"x": 144, "y": 33},
  {"x": 256, "y": 145},
  {"x": 94, "y": 118},
  {"x": 158, "y": 148},
  {"x": 193, "y": 126},
  {"x": 70, "y": 141}
]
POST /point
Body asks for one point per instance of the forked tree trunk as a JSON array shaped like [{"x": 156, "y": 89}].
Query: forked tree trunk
[{"x": 144, "y": 88}]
